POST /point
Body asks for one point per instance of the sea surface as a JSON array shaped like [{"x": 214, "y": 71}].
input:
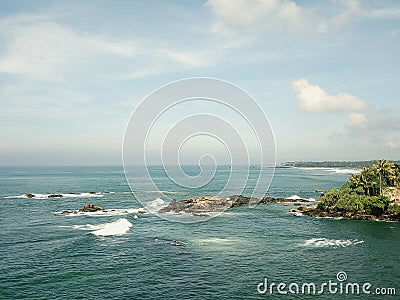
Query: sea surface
[{"x": 127, "y": 254}]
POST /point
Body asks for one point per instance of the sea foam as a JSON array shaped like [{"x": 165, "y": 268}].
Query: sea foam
[
  {"x": 155, "y": 205},
  {"x": 324, "y": 242},
  {"x": 118, "y": 227},
  {"x": 103, "y": 213},
  {"x": 56, "y": 195}
]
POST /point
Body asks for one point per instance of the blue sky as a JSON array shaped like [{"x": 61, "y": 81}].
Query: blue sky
[{"x": 326, "y": 73}]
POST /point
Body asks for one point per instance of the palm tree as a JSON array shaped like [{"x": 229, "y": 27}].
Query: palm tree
[
  {"x": 355, "y": 180},
  {"x": 367, "y": 183},
  {"x": 384, "y": 168},
  {"x": 395, "y": 177}
]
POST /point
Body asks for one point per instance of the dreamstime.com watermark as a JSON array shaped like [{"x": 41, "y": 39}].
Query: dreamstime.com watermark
[{"x": 339, "y": 286}]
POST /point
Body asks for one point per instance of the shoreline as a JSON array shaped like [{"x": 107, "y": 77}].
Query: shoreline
[{"x": 314, "y": 212}]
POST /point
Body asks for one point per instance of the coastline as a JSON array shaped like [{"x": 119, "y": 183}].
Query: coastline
[{"x": 313, "y": 211}]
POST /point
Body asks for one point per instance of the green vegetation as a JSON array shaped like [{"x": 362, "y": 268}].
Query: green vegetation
[
  {"x": 329, "y": 164},
  {"x": 363, "y": 193}
]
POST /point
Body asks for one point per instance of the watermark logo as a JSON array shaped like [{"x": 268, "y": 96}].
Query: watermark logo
[
  {"x": 204, "y": 122},
  {"x": 339, "y": 286}
]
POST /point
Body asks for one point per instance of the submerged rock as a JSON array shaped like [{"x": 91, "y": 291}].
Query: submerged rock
[
  {"x": 55, "y": 196},
  {"x": 30, "y": 195}
]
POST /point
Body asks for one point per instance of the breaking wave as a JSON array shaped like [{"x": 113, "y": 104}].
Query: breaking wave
[
  {"x": 324, "y": 242},
  {"x": 57, "y": 195},
  {"x": 119, "y": 227},
  {"x": 104, "y": 213}
]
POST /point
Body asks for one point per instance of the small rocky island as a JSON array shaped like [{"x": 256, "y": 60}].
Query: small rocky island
[
  {"x": 86, "y": 208},
  {"x": 207, "y": 204}
]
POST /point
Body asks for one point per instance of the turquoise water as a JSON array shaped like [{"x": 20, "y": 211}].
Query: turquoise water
[{"x": 46, "y": 255}]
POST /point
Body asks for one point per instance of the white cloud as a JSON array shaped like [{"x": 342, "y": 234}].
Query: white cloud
[
  {"x": 393, "y": 145},
  {"x": 265, "y": 13},
  {"x": 287, "y": 15},
  {"x": 375, "y": 127},
  {"x": 383, "y": 121},
  {"x": 189, "y": 59},
  {"x": 354, "y": 9},
  {"x": 314, "y": 99},
  {"x": 356, "y": 120},
  {"x": 38, "y": 47}
]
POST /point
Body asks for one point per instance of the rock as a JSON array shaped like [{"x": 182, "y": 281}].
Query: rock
[
  {"x": 198, "y": 205},
  {"x": 206, "y": 204},
  {"x": 30, "y": 195},
  {"x": 91, "y": 208},
  {"x": 54, "y": 196}
]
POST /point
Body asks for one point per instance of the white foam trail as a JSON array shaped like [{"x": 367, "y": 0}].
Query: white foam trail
[
  {"x": 118, "y": 227},
  {"x": 57, "y": 195},
  {"x": 346, "y": 171},
  {"x": 104, "y": 213},
  {"x": 215, "y": 240},
  {"x": 156, "y": 204},
  {"x": 335, "y": 170},
  {"x": 84, "y": 227},
  {"x": 294, "y": 197},
  {"x": 297, "y": 214},
  {"x": 324, "y": 242}
]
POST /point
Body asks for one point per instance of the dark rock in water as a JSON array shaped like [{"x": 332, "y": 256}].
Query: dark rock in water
[
  {"x": 91, "y": 208},
  {"x": 199, "y": 206},
  {"x": 55, "y": 196},
  {"x": 30, "y": 195},
  {"x": 92, "y": 193}
]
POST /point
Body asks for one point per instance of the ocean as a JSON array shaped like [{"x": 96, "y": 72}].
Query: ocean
[{"x": 263, "y": 252}]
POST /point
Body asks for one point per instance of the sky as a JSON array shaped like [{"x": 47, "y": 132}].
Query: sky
[{"x": 326, "y": 73}]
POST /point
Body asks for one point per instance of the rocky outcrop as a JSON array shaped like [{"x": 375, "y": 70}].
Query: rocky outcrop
[
  {"x": 91, "y": 208},
  {"x": 86, "y": 208},
  {"x": 198, "y": 205},
  {"x": 29, "y": 195},
  {"x": 206, "y": 204}
]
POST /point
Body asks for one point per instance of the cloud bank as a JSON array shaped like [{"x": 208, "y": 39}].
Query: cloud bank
[{"x": 314, "y": 99}]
